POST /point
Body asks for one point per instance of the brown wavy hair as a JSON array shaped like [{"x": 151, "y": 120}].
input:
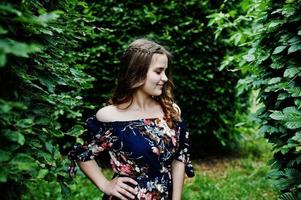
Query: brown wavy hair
[{"x": 134, "y": 65}]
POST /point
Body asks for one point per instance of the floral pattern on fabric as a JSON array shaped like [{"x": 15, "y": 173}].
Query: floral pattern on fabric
[{"x": 141, "y": 149}]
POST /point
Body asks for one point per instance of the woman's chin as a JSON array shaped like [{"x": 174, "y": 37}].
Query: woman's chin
[{"x": 158, "y": 93}]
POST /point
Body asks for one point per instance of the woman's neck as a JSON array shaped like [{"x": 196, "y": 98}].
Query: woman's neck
[{"x": 140, "y": 102}]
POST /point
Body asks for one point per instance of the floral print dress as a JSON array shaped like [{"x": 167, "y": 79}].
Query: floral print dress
[{"x": 141, "y": 149}]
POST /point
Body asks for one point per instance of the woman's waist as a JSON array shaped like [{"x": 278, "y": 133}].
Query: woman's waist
[
  {"x": 149, "y": 187},
  {"x": 144, "y": 179}
]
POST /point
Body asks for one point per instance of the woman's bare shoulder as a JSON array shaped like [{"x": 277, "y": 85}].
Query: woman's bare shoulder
[{"x": 107, "y": 113}]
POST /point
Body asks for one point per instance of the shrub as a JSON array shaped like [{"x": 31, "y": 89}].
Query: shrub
[
  {"x": 41, "y": 89},
  {"x": 272, "y": 50}
]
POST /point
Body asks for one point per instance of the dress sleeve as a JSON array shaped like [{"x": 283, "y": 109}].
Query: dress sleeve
[
  {"x": 96, "y": 138},
  {"x": 184, "y": 151}
]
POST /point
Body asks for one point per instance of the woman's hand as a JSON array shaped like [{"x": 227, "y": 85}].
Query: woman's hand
[{"x": 119, "y": 188}]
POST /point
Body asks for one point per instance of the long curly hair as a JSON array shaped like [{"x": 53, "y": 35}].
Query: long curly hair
[{"x": 134, "y": 66}]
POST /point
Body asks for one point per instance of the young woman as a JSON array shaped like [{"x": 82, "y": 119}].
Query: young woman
[{"x": 142, "y": 130}]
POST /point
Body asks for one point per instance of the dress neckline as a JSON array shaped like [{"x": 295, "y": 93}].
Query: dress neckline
[{"x": 129, "y": 121}]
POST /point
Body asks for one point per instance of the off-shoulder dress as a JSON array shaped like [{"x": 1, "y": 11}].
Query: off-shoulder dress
[{"x": 142, "y": 149}]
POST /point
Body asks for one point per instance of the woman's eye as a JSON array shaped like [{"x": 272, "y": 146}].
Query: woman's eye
[{"x": 158, "y": 72}]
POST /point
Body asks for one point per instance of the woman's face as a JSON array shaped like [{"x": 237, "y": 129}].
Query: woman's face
[{"x": 156, "y": 77}]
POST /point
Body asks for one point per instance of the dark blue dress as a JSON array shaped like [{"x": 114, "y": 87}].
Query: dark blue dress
[{"x": 141, "y": 149}]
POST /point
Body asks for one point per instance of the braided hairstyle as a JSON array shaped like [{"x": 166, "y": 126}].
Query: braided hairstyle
[{"x": 133, "y": 70}]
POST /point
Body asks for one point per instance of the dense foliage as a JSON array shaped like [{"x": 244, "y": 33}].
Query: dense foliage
[
  {"x": 272, "y": 60},
  {"x": 41, "y": 89}
]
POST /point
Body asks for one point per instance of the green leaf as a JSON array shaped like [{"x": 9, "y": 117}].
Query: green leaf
[
  {"x": 288, "y": 10},
  {"x": 294, "y": 48},
  {"x": 249, "y": 57},
  {"x": 297, "y": 136},
  {"x": 54, "y": 132},
  {"x": 65, "y": 190},
  {"x": 283, "y": 96},
  {"x": 46, "y": 156},
  {"x": 75, "y": 131},
  {"x": 268, "y": 129},
  {"x": 25, "y": 123},
  {"x": 42, "y": 121},
  {"x": 274, "y": 80},
  {"x": 262, "y": 57},
  {"x": 47, "y": 17},
  {"x": 3, "y": 31},
  {"x": 294, "y": 91},
  {"x": 48, "y": 82},
  {"x": 3, "y": 175},
  {"x": 291, "y": 110},
  {"x": 294, "y": 40},
  {"x": 274, "y": 24},
  {"x": 23, "y": 162},
  {"x": 275, "y": 174},
  {"x": 277, "y": 115},
  {"x": 8, "y": 8},
  {"x": 292, "y": 117},
  {"x": 298, "y": 103},
  {"x": 5, "y": 156},
  {"x": 2, "y": 59},
  {"x": 285, "y": 149},
  {"x": 5, "y": 107},
  {"x": 291, "y": 72},
  {"x": 279, "y": 49},
  {"x": 277, "y": 65},
  {"x": 49, "y": 147},
  {"x": 240, "y": 124},
  {"x": 20, "y": 49},
  {"x": 42, "y": 173},
  {"x": 288, "y": 196},
  {"x": 298, "y": 149},
  {"x": 14, "y": 136},
  {"x": 293, "y": 125}
]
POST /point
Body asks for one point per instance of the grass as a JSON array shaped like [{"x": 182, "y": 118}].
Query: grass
[
  {"x": 240, "y": 176},
  {"x": 239, "y": 179}
]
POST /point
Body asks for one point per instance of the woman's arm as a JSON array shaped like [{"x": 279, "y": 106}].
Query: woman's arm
[
  {"x": 116, "y": 187},
  {"x": 91, "y": 169},
  {"x": 178, "y": 175}
]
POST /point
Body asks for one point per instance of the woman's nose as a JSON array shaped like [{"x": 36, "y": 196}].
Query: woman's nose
[{"x": 164, "y": 77}]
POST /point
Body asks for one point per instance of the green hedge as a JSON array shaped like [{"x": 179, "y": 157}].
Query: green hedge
[
  {"x": 42, "y": 83},
  {"x": 272, "y": 50}
]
